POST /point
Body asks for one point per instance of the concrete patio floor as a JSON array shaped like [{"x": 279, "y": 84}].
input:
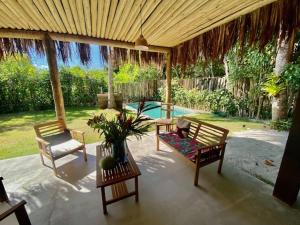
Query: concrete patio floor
[{"x": 167, "y": 193}]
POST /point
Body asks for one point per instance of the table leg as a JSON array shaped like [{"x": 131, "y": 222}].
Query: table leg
[
  {"x": 136, "y": 183},
  {"x": 103, "y": 200}
]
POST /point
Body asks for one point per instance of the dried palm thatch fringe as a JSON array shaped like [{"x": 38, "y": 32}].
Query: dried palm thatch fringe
[
  {"x": 64, "y": 50},
  {"x": 38, "y": 47},
  {"x": 132, "y": 56},
  {"x": 152, "y": 58},
  {"x": 146, "y": 58},
  {"x": 119, "y": 54},
  {"x": 84, "y": 52},
  {"x": 12, "y": 46},
  {"x": 277, "y": 20}
]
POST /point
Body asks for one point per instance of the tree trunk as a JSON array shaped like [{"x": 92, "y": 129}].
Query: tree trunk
[
  {"x": 110, "y": 64},
  {"x": 260, "y": 99},
  {"x": 260, "y": 103},
  {"x": 279, "y": 102},
  {"x": 226, "y": 68}
]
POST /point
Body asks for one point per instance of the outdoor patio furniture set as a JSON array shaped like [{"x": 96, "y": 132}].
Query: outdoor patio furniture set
[{"x": 199, "y": 142}]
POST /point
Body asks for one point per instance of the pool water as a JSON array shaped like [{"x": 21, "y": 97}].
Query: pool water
[{"x": 155, "y": 113}]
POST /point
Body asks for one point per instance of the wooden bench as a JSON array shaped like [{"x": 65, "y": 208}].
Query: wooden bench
[
  {"x": 11, "y": 214},
  {"x": 204, "y": 144},
  {"x": 55, "y": 141}
]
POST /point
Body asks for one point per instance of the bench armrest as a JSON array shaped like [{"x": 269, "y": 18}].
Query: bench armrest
[
  {"x": 210, "y": 147},
  {"x": 78, "y": 135},
  {"x": 163, "y": 125}
]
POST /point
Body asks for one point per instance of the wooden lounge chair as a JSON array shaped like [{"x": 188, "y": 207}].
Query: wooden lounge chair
[
  {"x": 12, "y": 214},
  {"x": 56, "y": 141},
  {"x": 204, "y": 144}
]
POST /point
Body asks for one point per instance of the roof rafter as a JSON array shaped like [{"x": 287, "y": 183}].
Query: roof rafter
[{"x": 40, "y": 35}]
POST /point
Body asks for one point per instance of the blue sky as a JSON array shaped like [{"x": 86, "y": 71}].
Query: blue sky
[{"x": 96, "y": 61}]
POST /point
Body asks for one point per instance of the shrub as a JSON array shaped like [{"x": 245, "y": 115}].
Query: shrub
[
  {"x": 128, "y": 73},
  {"x": 220, "y": 101},
  {"x": 24, "y": 87},
  {"x": 281, "y": 125}
]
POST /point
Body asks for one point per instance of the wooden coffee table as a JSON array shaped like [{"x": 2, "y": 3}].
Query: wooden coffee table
[{"x": 116, "y": 178}]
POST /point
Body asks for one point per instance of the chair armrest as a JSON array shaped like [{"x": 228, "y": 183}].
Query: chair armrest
[
  {"x": 20, "y": 212},
  {"x": 42, "y": 141},
  {"x": 78, "y": 135},
  {"x": 43, "y": 145},
  {"x": 3, "y": 194},
  {"x": 12, "y": 210}
]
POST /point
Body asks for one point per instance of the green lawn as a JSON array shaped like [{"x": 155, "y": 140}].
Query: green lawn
[
  {"x": 233, "y": 124},
  {"x": 17, "y": 137}
]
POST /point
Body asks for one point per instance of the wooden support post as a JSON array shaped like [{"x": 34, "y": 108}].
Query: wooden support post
[
  {"x": 288, "y": 180},
  {"x": 54, "y": 78},
  {"x": 168, "y": 82}
]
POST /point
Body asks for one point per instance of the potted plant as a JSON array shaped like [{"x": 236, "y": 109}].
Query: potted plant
[{"x": 117, "y": 130}]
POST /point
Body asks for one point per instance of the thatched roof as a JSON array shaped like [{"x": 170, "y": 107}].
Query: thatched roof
[
  {"x": 165, "y": 22},
  {"x": 277, "y": 20},
  {"x": 192, "y": 28}
]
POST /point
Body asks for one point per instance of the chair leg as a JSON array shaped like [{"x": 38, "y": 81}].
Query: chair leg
[
  {"x": 42, "y": 158},
  {"x": 220, "y": 165},
  {"x": 84, "y": 154},
  {"x": 54, "y": 167},
  {"x": 22, "y": 216},
  {"x": 221, "y": 160},
  {"x": 196, "y": 177},
  {"x": 197, "y": 173}
]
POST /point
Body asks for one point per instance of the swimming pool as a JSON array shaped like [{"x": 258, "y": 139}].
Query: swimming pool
[{"x": 155, "y": 113}]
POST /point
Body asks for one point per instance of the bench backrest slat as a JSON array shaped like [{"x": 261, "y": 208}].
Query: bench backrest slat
[
  {"x": 205, "y": 133},
  {"x": 194, "y": 127},
  {"x": 50, "y": 128}
]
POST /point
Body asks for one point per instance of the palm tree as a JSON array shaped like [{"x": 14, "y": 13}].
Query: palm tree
[{"x": 279, "y": 102}]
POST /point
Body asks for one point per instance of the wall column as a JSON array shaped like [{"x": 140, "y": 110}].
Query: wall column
[
  {"x": 288, "y": 180},
  {"x": 54, "y": 78},
  {"x": 168, "y": 81}
]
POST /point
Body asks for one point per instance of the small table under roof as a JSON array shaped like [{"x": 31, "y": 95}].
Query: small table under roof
[{"x": 116, "y": 177}]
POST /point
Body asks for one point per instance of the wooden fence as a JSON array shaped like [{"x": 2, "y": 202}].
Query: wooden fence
[
  {"x": 206, "y": 83},
  {"x": 149, "y": 89}
]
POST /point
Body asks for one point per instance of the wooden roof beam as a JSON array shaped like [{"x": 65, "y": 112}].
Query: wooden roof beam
[{"x": 40, "y": 35}]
